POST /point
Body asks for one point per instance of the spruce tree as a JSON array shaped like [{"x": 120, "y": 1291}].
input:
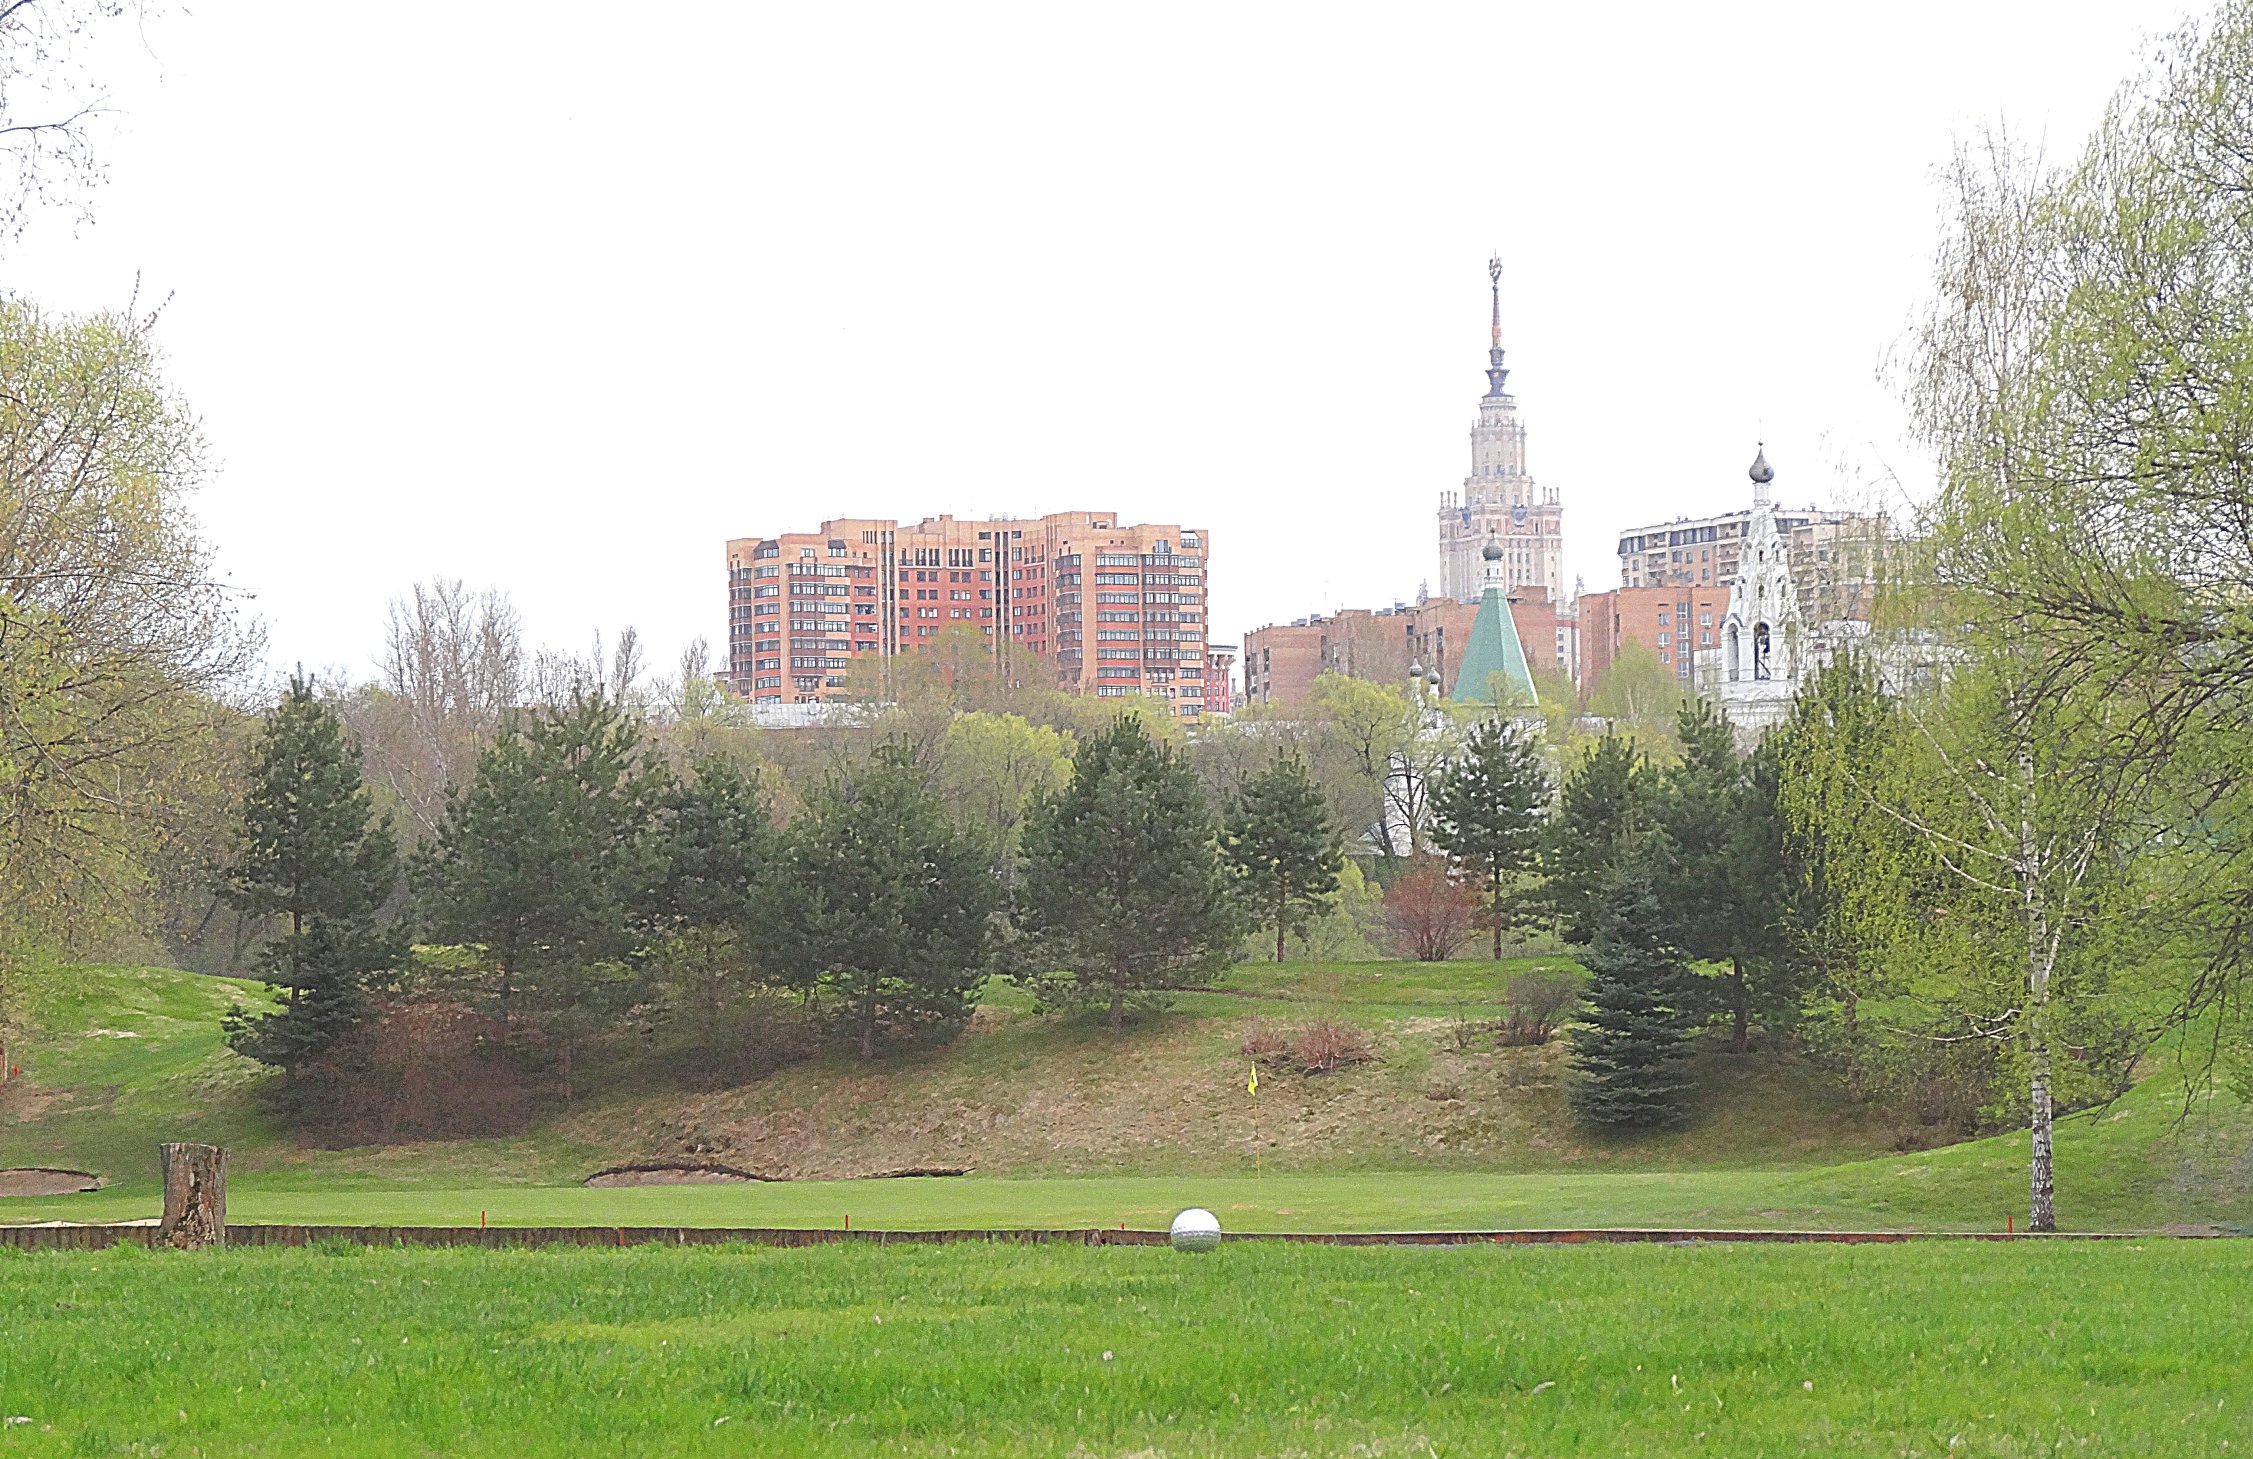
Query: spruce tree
[
  {"x": 1724, "y": 891},
  {"x": 1124, "y": 893},
  {"x": 1488, "y": 814},
  {"x": 1603, "y": 812},
  {"x": 547, "y": 862},
  {"x": 877, "y": 898},
  {"x": 314, "y": 852},
  {"x": 1283, "y": 847},
  {"x": 1627, "y": 1047}
]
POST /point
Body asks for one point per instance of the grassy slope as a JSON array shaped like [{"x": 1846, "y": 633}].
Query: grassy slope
[
  {"x": 1162, "y": 1118},
  {"x": 123, "y": 1058},
  {"x": 1917, "y": 1351}
]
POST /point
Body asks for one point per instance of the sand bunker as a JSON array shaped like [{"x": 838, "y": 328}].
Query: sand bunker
[
  {"x": 671, "y": 1173},
  {"x": 704, "y": 1172},
  {"x": 36, "y": 1180}
]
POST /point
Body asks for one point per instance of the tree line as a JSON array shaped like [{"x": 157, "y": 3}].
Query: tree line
[
  {"x": 580, "y": 884},
  {"x": 577, "y": 882}
]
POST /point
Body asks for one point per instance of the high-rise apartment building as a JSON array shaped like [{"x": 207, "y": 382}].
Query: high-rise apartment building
[
  {"x": 1834, "y": 554},
  {"x": 1499, "y": 500},
  {"x": 1073, "y": 599}
]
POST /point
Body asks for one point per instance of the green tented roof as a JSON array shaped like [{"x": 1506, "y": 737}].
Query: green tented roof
[{"x": 1493, "y": 649}]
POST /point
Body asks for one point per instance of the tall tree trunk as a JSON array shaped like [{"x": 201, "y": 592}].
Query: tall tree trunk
[
  {"x": 1494, "y": 910},
  {"x": 2041, "y": 953},
  {"x": 1118, "y": 1008},
  {"x": 2042, "y": 1215},
  {"x": 1280, "y": 904},
  {"x": 868, "y": 1020},
  {"x": 1740, "y": 1008}
]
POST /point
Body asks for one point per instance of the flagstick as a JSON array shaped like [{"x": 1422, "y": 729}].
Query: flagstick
[{"x": 1252, "y": 1088}]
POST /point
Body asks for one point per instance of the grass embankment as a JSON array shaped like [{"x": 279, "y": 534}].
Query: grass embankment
[
  {"x": 1070, "y": 1125},
  {"x": 1927, "y": 1350}
]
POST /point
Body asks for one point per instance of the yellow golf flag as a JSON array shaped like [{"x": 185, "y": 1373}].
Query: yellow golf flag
[{"x": 1251, "y": 1085}]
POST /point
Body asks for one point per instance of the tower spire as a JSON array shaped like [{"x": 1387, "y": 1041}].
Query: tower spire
[{"x": 1496, "y": 374}]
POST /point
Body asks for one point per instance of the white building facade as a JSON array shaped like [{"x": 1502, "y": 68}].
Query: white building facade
[{"x": 1766, "y": 649}]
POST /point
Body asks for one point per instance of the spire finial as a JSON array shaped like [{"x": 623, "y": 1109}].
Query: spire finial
[
  {"x": 1496, "y": 373},
  {"x": 1494, "y": 277},
  {"x": 1761, "y": 473}
]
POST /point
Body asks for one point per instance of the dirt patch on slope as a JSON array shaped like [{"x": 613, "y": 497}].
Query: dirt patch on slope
[
  {"x": 1020, "y": 1094},
  {"x": 39, "y": 1180}
]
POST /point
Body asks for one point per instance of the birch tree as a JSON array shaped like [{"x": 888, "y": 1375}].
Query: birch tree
[
  {"x": 117, "y": 644},
  {"x": 1394, "y": 751},
  {"x": 2037, "y": 829},
  {"x": 51, "y": 105}
]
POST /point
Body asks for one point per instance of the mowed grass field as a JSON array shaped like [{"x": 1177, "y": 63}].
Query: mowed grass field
[{"x": 1925, "y": 1349}]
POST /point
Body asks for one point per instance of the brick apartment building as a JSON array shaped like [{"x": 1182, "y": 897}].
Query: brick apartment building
[
  {"x": 1074, "y": 599},
  {"x": 1672, "y": 622},
  {"x": 1282, "y": 661}
]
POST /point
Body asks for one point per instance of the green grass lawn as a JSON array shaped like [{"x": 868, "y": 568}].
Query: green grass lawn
[
  {"x": 1440, "y": 1200},
  {"x": 129, "y": 1057},
  {"x": 1924, "y": 1350}
]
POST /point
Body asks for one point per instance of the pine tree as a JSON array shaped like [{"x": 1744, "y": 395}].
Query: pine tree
[
  {"x": 315, "y": 852},
  {"x": 547, "y": 862},
  {"x": 1488, "y": 814},
  {"x": 717, "y": 834},
  {"x": 1603, "y": 812},
  {"x": 878, "y": 898},
  {"x": 1123, "y": 886},
  {"x": 1283, "y": 848},
  {"x": 1627, "y": 1047},
  {"x": 717, "y": 840}
]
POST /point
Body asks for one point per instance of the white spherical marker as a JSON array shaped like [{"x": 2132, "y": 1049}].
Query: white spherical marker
[{"x": 1196, "y": 1229}]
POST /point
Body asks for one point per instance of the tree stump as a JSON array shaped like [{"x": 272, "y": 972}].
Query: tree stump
[{"x": 195, "y": 1196}]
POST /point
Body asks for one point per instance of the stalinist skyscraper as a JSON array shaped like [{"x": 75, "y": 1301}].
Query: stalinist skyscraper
[{"x": 1499, "y": 497}]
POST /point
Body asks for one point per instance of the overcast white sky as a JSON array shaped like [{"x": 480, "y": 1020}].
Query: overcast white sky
[{"x": 559, "y": 297}]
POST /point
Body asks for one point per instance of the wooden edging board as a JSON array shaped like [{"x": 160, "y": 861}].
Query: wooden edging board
[{"x": 102, "y": 1237}]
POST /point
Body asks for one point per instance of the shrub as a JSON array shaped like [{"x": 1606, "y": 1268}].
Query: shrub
[
  {"x": 1320, "y": 1047},
  {"x": 1324, "y": 1047},
  {"x": 1539, "y": 1002},
  {"x": 1268, "y": 1046},
  {"x": 1429, "y": 912}
]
